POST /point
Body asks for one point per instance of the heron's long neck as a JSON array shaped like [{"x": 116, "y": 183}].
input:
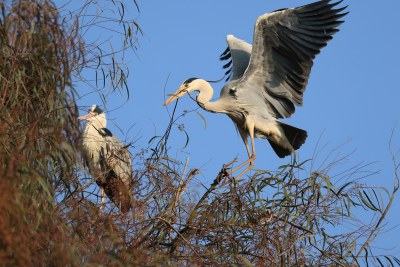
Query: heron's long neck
[
  {"x": 92, "y": 140},
  {"x": 92, "y": 126},
  {"x": 204, "y": 97}
]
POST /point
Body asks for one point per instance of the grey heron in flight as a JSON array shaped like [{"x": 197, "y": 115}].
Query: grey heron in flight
[
  {"x": 109, "y": 161},
  {"x": 268, "y": 78}
]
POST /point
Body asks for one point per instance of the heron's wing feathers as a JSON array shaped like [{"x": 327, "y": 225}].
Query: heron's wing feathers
[
  {"x": 104, "y": 132},
  {"x": 118, "y": 159},
  {"x": 116, "y": 165},
  {"x": 238, "y": 55},
  {"x": 285, "y": 43}
]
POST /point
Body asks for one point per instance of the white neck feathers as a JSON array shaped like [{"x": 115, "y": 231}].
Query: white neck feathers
[{"x": 205, "y": 95}]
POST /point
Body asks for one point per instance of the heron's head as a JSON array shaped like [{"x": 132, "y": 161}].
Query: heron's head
[
  {"x": 95, "y": 115},
  {"x": 187, "y": 86}
]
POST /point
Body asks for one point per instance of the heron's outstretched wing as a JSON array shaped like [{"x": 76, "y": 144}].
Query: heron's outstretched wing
[
  {"x": 238, "y": 55},
  {"x": 285, "y": 42}
]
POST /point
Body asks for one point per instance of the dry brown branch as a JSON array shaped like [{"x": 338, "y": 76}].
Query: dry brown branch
[{"x": 185, "y": 231}]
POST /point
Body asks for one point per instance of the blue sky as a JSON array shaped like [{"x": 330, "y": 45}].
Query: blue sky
[{"x": 352, "y": 96}]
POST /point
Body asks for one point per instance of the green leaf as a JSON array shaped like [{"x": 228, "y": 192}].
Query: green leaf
[
  {"x": 202, "y": 117},
  {"x": 342, "y": 188},
  {"x": 397, "y": 260},
  {"x": 187, "y": 139},
  {"x": 366, "y": 256},
  {"x": 366, "y": 201},
  {"x": 389, "y": 260},
  {"x": 370, "y": 201},
  {"x": 380, "y": 262},
  {"x": 153, "y": 138}
]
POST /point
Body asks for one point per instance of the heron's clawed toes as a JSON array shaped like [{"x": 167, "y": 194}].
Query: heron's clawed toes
[
  {"x": 226, "y": 166},
  {"x": 231, "y": 162}
]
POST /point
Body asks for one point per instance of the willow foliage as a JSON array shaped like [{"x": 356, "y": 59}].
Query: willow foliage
[{"x": 40, "y": 52}]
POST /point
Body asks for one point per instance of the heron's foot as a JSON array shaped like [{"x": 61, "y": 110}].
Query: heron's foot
[
  {"x": 293, "y": 163},
  {"x": 250, "y": 161},
  {"x": 102, "y": 200},
  {"x": 225, "y": 166},
  {"x": 294, "y": 159}
]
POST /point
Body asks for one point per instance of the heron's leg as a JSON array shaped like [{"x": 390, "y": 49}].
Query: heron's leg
[
  {"x": 246, "y": 143},
  {"x": 102, "y": 199},
  {"x": 243, "y": 134},
  {"x": 294, "y": 157},
  {"x": 252, "y": 156},
  {"x": 293, "y": 162}
]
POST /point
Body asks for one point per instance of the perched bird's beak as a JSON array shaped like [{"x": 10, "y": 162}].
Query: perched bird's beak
[
  {"x": 86, "y": 117},
  {"x": 180, "y": 92}
]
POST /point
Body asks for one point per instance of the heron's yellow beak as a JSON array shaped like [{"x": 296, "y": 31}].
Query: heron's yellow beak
[
  {"x": 180, "y": 92},
  {"x": 86, "y": 117}
]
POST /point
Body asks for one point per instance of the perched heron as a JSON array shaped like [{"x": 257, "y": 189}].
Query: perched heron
[
  {"x": 269, "y": 78},
  {"x": 109, "y": 161}
]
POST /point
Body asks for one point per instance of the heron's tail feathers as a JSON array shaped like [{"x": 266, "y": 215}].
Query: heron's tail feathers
[
  {"x": 118, "y": 193},
  {"x": 295, "y": 136},
  {"x": 125, "y": 200}
]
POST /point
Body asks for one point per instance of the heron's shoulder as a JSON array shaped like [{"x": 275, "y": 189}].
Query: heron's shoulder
[
  {"x": 276, "y": 16},
  {"x": 105, "y": 132},
  {"x": 235, "y": 43},
  {"x": 229, "y": 89},
  {"x": 231, "y": 39}
]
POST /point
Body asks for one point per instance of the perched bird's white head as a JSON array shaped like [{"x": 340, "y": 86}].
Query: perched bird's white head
[
  {"x": 95, "y": 116},
  {"x": 187, "y": 86}
]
